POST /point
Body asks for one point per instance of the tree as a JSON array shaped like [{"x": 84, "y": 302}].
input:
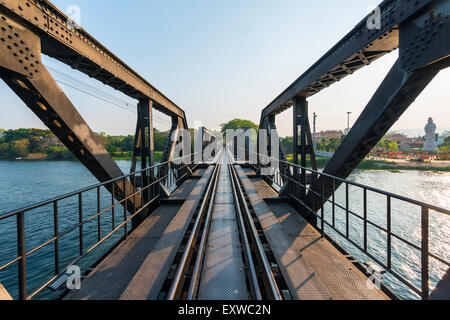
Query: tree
[
  {"x": 4, "y": 150},
  {"x": 391, "y": 146},
  {"x": 446, "y": 142},
  {"x": 59, "y": 153},
  {"x": 238, "y": 124},
  {"x": 287, "y": 144},
  {"x": 19, "y": 148}
]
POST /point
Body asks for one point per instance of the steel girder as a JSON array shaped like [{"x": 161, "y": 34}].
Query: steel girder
[
  {"x": 398, "y": 90},
  {"x": 303, "y": 146},
  {"x": 177, "y": 130},
  {"x": 75, "y": 47},
  {"x": 207, "y": 139},
  {"x": 268, "y": 124},
  {"x": 22, "y": 70},
  {"x": 357, "y": 49}
]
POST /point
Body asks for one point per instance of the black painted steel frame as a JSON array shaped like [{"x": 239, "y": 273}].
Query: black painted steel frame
[
  {"x": 421, "y": 31},
  {"x": 29, "y": 28}
]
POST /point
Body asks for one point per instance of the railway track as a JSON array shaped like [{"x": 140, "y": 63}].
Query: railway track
[{"x": 224, "y": 255}]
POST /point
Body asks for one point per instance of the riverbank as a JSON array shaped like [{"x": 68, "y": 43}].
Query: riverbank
[
  {"x": 389, "y": 165},
  {"x": 157, "y": 157},
  {"x": 49, "y": 157}
]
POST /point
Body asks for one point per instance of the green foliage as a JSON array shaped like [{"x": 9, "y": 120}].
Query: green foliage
[
  {"x": 446, "y": 142},
  {"x": 387, "y": 145},
  {"x": 287, "y": 143},
  {"x": 238, "y": 124},
  {"x": 59, "y": 153},
  {"x": 329, "y": 145},
  {"x": 23, "y": 142}
]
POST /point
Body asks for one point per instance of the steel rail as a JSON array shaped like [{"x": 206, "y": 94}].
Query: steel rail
[
  {"x": 425, "y": 253},
  {"x": 369, "y": 188},
  {"x": 198, "y": 265},
  {"x": 184, "y": 263},
  {"x": 256, "y": 291},
  {"x": 84, "y": 190}
]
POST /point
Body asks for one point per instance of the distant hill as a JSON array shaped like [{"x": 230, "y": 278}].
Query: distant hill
[{"x": 418, "y": 131}]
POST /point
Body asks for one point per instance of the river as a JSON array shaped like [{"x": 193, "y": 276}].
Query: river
[{"x": 27, "y": 182}]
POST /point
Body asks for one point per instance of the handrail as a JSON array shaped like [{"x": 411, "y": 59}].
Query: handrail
[
  {"x": 295, "y": 186},
  {"x": 86, "y": 189},
  {"x": 356, "y": 184},
  {"x": 153, "y": 195}
]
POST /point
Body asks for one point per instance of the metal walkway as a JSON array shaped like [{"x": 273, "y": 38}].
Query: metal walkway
[
  {"x": 136, "y": 269},
  {"x": 160, "y": 258},
  {"x": 223, "y": 276},
  {"x": 313, "y": 268}
]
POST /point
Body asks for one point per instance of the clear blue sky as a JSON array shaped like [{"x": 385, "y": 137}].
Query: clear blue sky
[{"x": 220, "y": 60}]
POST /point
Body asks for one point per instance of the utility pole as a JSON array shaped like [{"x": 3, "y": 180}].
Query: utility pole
[
  {"x": 314, "y": 130},
  {"x": 348, "y": 121}
]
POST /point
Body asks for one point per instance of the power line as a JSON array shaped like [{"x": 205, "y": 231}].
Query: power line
[{"x": 96, "y": 93}]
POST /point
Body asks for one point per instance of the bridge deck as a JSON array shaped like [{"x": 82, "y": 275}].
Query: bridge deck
[
  {"x": 137, "y": 268},
  {"x": 312, "y": 267}
]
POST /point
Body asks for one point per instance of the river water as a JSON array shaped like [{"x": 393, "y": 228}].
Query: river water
[{"x": 25, "y": 183}]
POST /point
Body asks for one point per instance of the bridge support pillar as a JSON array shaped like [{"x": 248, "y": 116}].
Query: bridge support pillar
[
  {"x": 144, "y": 148},
  {"x": 302, "y": 146}
]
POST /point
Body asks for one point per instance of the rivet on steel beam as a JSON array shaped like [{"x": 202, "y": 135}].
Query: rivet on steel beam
[
  {"x": 56, "y": 122},
  {"x": 41, "y": 106},
  {"x": 70, "y": 138}
]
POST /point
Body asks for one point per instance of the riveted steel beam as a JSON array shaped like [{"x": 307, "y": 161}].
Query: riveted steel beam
[
  {"x": 75, "y": 47},
  {"x": 22, "y": 70},
  {"x": 424, "y": 51},
  {"x": 396, "y": 93},
  {"x": 357, "y": 49}
]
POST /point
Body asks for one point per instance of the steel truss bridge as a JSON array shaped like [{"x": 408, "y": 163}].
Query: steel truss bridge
[{"x": 220, "y": 229}]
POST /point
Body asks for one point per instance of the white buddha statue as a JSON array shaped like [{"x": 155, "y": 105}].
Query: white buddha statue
[{"x": 430, "y": 144}]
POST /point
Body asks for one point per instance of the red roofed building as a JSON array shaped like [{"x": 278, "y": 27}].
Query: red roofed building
[{"x": 405, "y": 143}]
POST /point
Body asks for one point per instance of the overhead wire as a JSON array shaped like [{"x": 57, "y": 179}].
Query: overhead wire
[{"x": 75, "y": 84}]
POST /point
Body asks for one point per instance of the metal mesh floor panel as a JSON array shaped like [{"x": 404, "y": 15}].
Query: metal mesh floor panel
[
  {"x": 223, "y": 274},
  {"x": 312, "y": 267}
]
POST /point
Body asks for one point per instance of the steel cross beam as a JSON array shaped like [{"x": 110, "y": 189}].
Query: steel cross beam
[
  {"x": 75, "y": 47},
  {"x": 177, "y": 131},
  {"x": 358, "y": 48},
  {"x": 398, "y": 90},
  {"x": 22, "y": 70},
  {"x": 424, "y": 51}
]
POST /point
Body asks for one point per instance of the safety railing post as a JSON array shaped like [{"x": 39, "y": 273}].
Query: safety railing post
[
  {"x": 56, "y": 235},
  {"x": 21, "y": 251},
  {"x": 389, "y": 233},
  {"x": 425, "y": 252},
  {"x": 80, "y": 221}
]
